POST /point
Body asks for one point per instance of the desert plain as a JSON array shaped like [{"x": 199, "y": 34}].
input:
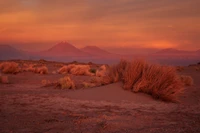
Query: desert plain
[{"x": 33, "y": 102}]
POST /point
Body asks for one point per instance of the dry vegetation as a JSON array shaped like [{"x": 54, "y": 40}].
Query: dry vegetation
[
  {"x": 76, "y": 70},
  {"x": 101, "y": 72},
  {"x": 9, "y": 67},
  {"x": 187, "y": 80},
  {"x": 66, "y": 83},
  {"x": 162, "y": 82}
]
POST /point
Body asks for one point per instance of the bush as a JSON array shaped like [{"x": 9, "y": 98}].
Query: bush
[
  {"x": 41, "y": 70},
  {"x": 92, "y": 70},
  {"x": 81, "y": 70},
  {"x": 162, "y": 82},
  {"x": 101, "y": 72},
  {"x": 9, "y": 67},
  {"x": 66, "y": 69},
  {"x": 66, "y": 83},
  {"x": 187, "y": 80}
]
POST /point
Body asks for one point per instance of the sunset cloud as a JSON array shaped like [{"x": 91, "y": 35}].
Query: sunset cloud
[{"x": 113, "y": 23}]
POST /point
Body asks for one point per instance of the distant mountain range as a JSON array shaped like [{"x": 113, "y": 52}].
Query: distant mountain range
[
  {"x": 7, "y": 52},
  {"x": 67, "y": 52}
]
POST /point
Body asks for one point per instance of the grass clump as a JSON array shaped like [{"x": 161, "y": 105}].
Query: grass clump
[
  {"x": 81, "y": 70},
  {"x": 101, "y": 72},
  {"x": 41, "y": 70},
  {"x": 187, "y": 80},
  {"x": 9, "y": 67},
  {"x": 66, "y": 69},
  {"x": 66, "y": 83},
  {"x": 161, "y": 82}
]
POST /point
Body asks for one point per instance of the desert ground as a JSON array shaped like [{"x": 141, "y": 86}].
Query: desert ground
[{"x": 27, "y": 105}]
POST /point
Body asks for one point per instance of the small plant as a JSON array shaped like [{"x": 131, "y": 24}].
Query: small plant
[
  {"x": 101, "y": 72},
  {"x": 187, "y": 80},
  {"x": 66, "y": 69},
  {"x": 41, "y": 70},
  {"x": 9, "y": 67},
  {"x": 66, "y": 83},
  {"x": 81, "y": 70}
]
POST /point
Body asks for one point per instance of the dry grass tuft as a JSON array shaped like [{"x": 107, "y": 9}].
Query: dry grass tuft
[
  {"x": 4, "y": 79},
  {"x": 101, "y": 72},
  {"x": 9, "y": 67},
  {"x": 66, "y": 69},
  {"x": 162, "y": 82},
  {"x": 66, "y": 83},
  {"x": 187, "y": 80},
  {"x": 41, "y": 70},
  {"x": 115, "y": 73},
  {"x": 81, "y": 70}
]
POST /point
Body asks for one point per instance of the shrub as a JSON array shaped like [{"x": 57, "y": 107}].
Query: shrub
[
  {"x": 115, "y": 73},
  {"x": 4, "y": 79},
  {"x": 187, "y": 80},
  {"x": 81, "y": 70},
  {"x": 162, "y": 82},
  {"x": 9, "y": 67},
  {"x": 101, "y": 72},
  {"x": 66, "y": 83},
  {"x": 66, "y": 69},
  {"x": 41, "y": 70}
]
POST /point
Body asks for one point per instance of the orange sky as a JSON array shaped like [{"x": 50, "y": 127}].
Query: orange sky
[{"x": 39, "y": 24}]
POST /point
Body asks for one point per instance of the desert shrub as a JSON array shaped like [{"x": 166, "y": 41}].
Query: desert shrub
[
  {"x": 41, "y": 70},
  {"x": 101, "y": 72},
  {"x": 115, "y": 73},
  {"x": 81, "y": 70},
  {"x": 187, "y": 80},
  {"x": 66, "y": 69},
  {"x": 162, "y": 82},
  {"x": 9, "y": 67},
  {"x": 4, "y": 79},
  {"x": 66, "y": 83}
]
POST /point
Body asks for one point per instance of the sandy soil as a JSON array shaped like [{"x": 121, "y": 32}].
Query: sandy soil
[{"x": 26, "y": 107}]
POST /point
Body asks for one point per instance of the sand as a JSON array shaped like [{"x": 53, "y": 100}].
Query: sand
[{"x": 26, "y": 107}]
